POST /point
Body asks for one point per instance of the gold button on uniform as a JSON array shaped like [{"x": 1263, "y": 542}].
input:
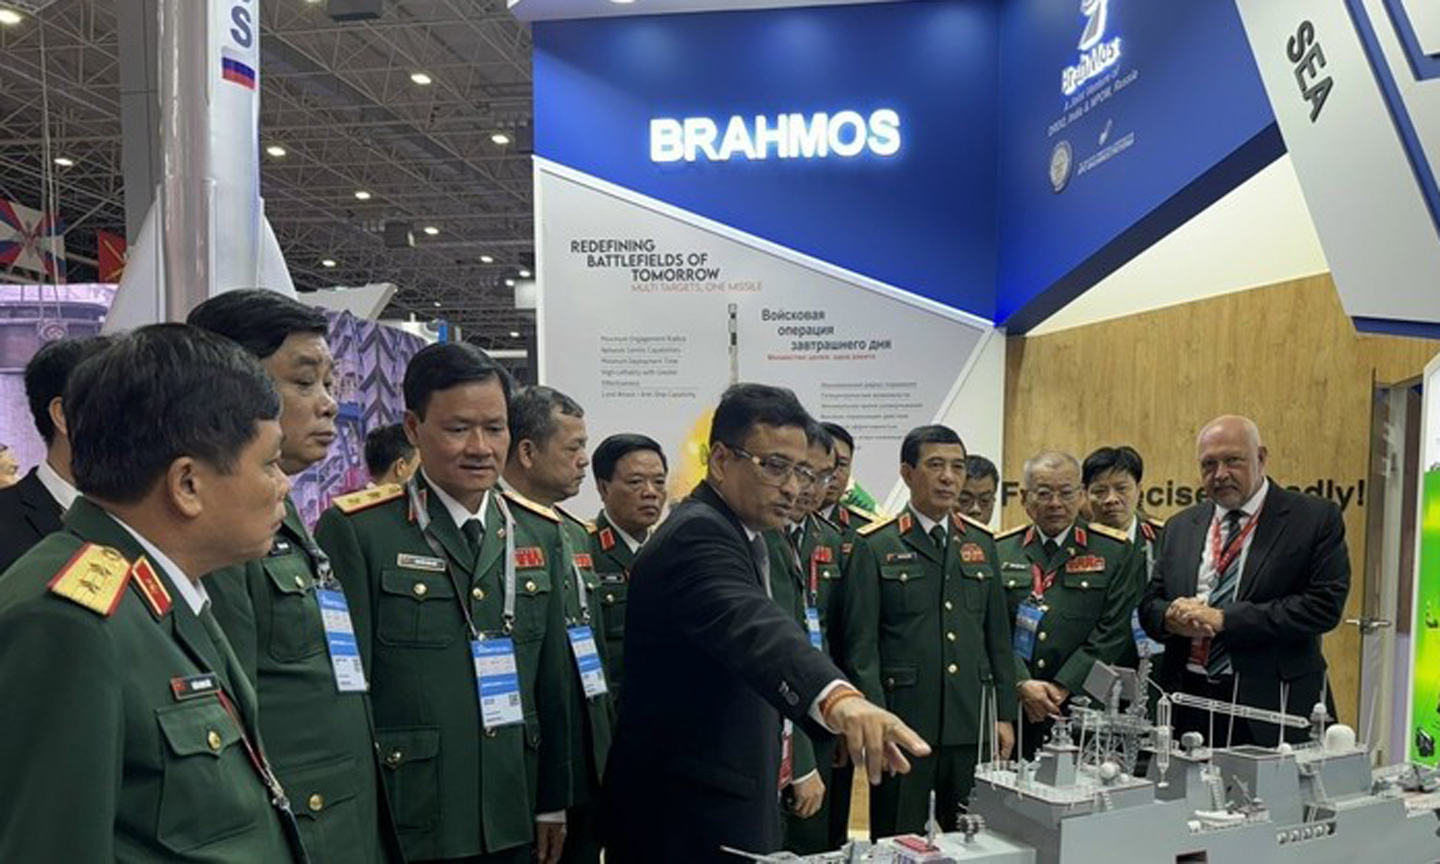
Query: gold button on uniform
[
  {"x": 421, "y": 589},
  {"x": 952, "y": 668},
  {"x": 904, "y": 577},
  {"x": 299, "y": 581},
  {"x": 950, "y": 636},
  {"x": 530, "y": 585},
  {"x": 1041, "y": 637},
  {"x": 316, "y": 802},
  {"x": 1040, "y": 663},
  {"x": 393, "y": 758},
  {"x": 477, "y": 592},
  {"x": 949, "y": 606},
  {"x": 1084, "y": 583},
  {"x": 213, "y": 739},
  {"x": 489, "y": 733},
  {"x": 610, "y": 599}
]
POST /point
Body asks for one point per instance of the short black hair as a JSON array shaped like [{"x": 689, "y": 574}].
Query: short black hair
[
  {"x": 617, "y": 447},
  {"x": 1123, "y": 458},
  {"x": 978, "y": 468},
  {"x": 745, "y": 406},
  {"x": 932, "y": 434},
  {"x": 448, "y": 364},
  {"x": 818, "y": 434},
  {"x": 155, "y": 395},
  {"x": 384, "y": 446},
  {"x": 47, "y": 372},
  {"x": 840, "y": 433},
  {"x": 532, "y": 414},
  {"x": 259, "y": 320}
]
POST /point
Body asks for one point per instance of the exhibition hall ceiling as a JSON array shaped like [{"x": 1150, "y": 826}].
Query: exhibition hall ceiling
[{"x": 427, "y": 109}]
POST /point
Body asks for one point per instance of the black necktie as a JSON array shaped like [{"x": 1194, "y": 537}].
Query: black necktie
[
  {"x": 473, "y": 533},
  {"x": 1050, "y": 547},
  {"x": 761, "y": 555},
  {"x": 937, "y": 535}
]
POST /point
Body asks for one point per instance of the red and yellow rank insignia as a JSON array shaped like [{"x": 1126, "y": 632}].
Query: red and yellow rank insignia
[
  {"x": 905, "y": 522},
  {"x": 93, "y": 578},
  {"x": 971, "y": 553},
  {"x": 607, "y": 539},
  {"x": 1085, "y": 564},
  {"x": 151, "y": 588},
  {"x": 1148, "y": 531},
  {"x": 529, "y": 557},
  {"x": 823, "y": 555},
  {"x": 846, "y": 548},
  {"x": 584, "y": 561},
  {"x": 842, "y": 516},
  {"x": 1081, "y": 537}
]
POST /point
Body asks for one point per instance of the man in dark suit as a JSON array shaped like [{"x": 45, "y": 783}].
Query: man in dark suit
[
  {"x": 1245, "y": 587},
  {"x": 717, "y": 675},
  {"x": 31, "y": 509}
]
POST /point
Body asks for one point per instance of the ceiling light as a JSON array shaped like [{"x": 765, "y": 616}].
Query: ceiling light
[
  {"x": 500, "y": 138},
  {"x": 275, "y": 150},
  {"x": 525, "y": 274},
  {"x": 362, "y": 195},
  {"x": 64, "y": 161},
  {"x": 509, "y": 283},
  {"x": 421, "y": 78},
  {"x": 486, "y": 259},
  {"x": 10, "y": 17},
  {"x": 431, "y": 230},
  {"x": 327, "y": 262},
  {"x": 514, "y": 334}
]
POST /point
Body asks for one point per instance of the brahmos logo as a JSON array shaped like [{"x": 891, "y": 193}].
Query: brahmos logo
[
  {"x": 843, "y": 135},
  {"x": 1097, "y": 55}
]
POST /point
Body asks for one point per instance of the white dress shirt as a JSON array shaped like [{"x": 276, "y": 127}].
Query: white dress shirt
[
  {"x": 192, "y": 592},
  {"x": 59, "y": 488}
]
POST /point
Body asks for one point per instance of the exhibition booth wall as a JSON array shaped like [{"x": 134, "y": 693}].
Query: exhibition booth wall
[{"x": 1285, "y": 355}]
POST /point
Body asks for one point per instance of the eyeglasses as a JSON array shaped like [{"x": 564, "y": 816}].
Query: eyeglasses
[
  {"x": 1045, "y": 495},
  {"x": 775, "y": 470}
]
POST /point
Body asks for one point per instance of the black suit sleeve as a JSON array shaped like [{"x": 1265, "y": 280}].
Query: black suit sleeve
[
  {"x": 712, "y": 598},
  {"x": 1314, "y": 601},
  {"x": 1156, "y": 598}
]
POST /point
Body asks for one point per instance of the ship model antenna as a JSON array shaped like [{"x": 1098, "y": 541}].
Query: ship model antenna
[
  {"x": 1284, "y": 709},
  {"x": 1234, "y": 700}
]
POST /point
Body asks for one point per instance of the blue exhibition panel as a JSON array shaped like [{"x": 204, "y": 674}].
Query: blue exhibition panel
[{"x": 921, "y": 219}]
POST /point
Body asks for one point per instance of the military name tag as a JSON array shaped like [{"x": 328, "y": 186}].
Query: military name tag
[
  {"x": 420, "y": 562},
  {"x": 971, "y": 553},
  {"x": 584, "y": 561},
  {"x": 529, "y": 557},
  {"x": 1085, "y": 564},
  {"x": 1013, "y": 565},
  {"x": 587, "y": 661},
  {"x": 191, "y": 686},
  {"x": 612, "y": 578},
  {"x": 899, "y": 557},
  {"x": 340, "y": 639},
  {"x": 497, "y": 680}
]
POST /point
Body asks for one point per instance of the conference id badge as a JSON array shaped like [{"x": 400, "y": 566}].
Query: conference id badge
[
  {"x": 1027, "y": 624},
  {"x": 340, "y": 638},
  {"x": 812, "y": 626},
  {"x": 587, "y": 661},
  {"x": 497, "y": 679},
  {"x": 1144, "y": 645}
]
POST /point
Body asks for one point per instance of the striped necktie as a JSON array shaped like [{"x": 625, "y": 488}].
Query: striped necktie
[{"x": 1217, "y": 663}]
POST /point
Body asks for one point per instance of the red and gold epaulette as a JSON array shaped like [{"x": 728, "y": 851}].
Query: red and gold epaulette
[
  {"x": 566, "y": 514},
  {"x": 93, "y": 578},
  {"x": 367, "y": 498},
  {"x": 961, "y": 521},
  {"x": 538, "y": 509},
  {"x": 1104, "y": 531},
  {"x": 157, "y": 597}
]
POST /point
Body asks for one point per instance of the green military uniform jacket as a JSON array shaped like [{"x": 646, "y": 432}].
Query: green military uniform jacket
[
  {"x": 787, "y": 589},
  {"x": 613, "y": 559},
  {"x": 456, "y": 788},
  {"x": 319, "y": 740},
  {"x": 1147, "y": 539},
  {"x": 117, "y": 744},
  {"x": 1099, "y": 577},
  {"x": 848, "y": 520},
  {"x": 926, "y": 630}
]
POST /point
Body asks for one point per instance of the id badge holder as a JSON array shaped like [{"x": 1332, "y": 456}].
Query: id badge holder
[
  {"x": 587, "y": 661},
  {"x": 1027, "y": 624},
  {"x": 497, "y": 680},
  {"x": 340, "y": 639},
  {"x": 812, "y": 626},
  {"x": 1144, "y": 645}
]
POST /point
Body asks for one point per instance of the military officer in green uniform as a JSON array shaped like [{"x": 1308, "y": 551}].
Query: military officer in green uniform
[
  {"x": 459, "y": 614},
  {"x": 926, "y": 630},
  {"x": 845, "y": 516},
  {"x": 1112, "y": 476},
  {"x": 546, "y": 465},
  {"x": 630, "y": 475},
  {"x": 130, "y": 728},
  {"x": 1071, "y": 589},
  {"x": 314, "y": 712}
]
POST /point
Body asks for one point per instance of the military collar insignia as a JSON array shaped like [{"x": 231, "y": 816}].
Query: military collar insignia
[
  {"x": 842, "y": 515},
  {"x": 421, "y": 500},
  {"x": 607, "y": 539},
  {"x": 904, "y": 522},
  {"x": 157, "y": 597},
  {"x": 1081, "y": 537},
  {"x": 1030, "y": 535},
  {"x": 1148, "y": 531}
]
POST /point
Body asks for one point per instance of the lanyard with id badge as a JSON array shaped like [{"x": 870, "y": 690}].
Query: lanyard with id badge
[
  {"x": 582, "y": 640},
  {"x": 1031, "y": 613},
  {"x": 339, "y": 628},
  {"x": 497, "y": 674},
  {"x": 812, "y": 600}
]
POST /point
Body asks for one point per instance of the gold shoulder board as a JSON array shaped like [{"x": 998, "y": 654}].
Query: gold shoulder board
[
  {"x": 1107, "y": 531},
  {"x": 867, "y": 530},
  {"x": 94, "y": 578},
  {"x": 981, "y": 526},
  {"x": 1010, "y": 532},
  {"x": 540, "y": 509},
  {"x": 367, "y": 498}
]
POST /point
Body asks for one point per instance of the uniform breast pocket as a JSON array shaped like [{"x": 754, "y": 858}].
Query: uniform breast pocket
[
  {"x": 210, "y": 791},
  {"x": 323, "y": 796},
  {"x": 1084, "y": 594},
  {"x": 417, "y": 609},
  {"x": 532, "y": 594},
  {"x": 611, "y": 596},
  {"x": 296, "y": 629},
  {"x": 902, "y": 588},
  {"x": 975, "y": 586}
]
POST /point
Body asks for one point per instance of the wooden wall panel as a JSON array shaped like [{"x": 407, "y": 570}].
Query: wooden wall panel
[{"x": 1285, "y": 355}]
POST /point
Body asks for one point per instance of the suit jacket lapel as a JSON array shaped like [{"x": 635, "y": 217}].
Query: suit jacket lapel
[
  {"x": 1267, "y": 535},
  {"x": 1195, "y": 537},
  {"x": 705, "y": 494},
  {"x": 42, "y": 511}
]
